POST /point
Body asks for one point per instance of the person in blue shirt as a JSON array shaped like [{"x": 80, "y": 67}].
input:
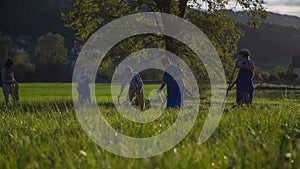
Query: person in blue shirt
[
  {"x": 83, "y": 88},
  {"x": 135, "y": 87},
  {"x": 173, "y": 78},
  {"x": 244, "y": 80}
]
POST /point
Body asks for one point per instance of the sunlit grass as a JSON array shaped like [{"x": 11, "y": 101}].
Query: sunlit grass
[{"x": 43, "y": 132}]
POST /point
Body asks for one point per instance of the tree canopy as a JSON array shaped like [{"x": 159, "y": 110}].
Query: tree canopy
[{"x": 85, "y": 17}]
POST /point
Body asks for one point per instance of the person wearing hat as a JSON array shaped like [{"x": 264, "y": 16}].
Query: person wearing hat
[
  {"x": 244, "y": 80},
  {"x": 173, "y": 78},
  {"x": 83, "y": 88}
]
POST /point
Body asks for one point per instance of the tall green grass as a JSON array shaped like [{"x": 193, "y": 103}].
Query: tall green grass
[{"x": 42, "y": 131}]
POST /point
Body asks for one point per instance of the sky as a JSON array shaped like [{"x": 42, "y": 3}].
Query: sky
[
  {"x": 288, "y": 7},
  {"x": 285, "y": 7}
]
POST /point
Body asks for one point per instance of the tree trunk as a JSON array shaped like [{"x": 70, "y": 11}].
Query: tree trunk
[{"x": 182, "y": 7}]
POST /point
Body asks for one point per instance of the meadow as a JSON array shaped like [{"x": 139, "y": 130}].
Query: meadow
[{"x": 42, "y": 131}]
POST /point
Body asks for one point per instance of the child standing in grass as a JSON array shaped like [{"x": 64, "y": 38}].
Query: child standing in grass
[
  {"x": 9, "y": 83},
  {"x": 83, "y": 88},
  {"x": 244, "y": 80}
]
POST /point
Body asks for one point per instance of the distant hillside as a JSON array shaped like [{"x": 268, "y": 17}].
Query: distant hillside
[
  {"x": 284, "y": 20},
  {"x": 272, "y": 45},
  {"x": 273, "y": 18},
  {"x": 33, "y": 17},
  {"x": 275, "y": 43}
]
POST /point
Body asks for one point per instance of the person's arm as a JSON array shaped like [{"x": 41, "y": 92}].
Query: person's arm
[
  {"x": 88, "y": 79},
  {"x": 4, "y": 77},
  {"x": 14, "y": 81},
  {"x": 124, "y": 83},
  {"x": 163, "y": 84},
  {"x": 232, "y": 84},
  {"x": 84, "y": 80},
  {"x": 248, "y": 67},
  {"x": 79, "y": 79}
]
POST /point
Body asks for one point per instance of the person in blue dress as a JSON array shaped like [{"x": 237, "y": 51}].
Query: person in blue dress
[
  {"x": 83, "y": 88},
  {"x": 173, "y": 78},
  {"x": 244, "y": 80}
]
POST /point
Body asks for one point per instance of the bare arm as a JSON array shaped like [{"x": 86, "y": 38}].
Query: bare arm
[
  {"x": 163, "y": 84},
  {"x": 232, "y": 84},
  {"x": 124, "y": 83}
]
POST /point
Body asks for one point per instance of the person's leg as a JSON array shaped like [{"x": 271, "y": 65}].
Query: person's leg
[
  {"x": 239, "y": 98},
  {"x": 86, "y": 95},
  {"x": 80, "y": 94},
  {"x": 86, "y": 98},
  {"x": 171, "y": 100},
  {"x": 182, "y": 92},
  {"x": 172, "y": 96},
  {"x": 80, "y": 98},
  {"x": 251, "y": 94},
  {"x": 140, "y": 95},
  {"x": 15, "y": 93},
  {"x": 6, "y": 91},
  {"x": 179, "y": 97},
  {"x": 131, "y": 93}
]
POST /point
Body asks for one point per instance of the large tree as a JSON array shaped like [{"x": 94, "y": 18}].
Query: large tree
[
  {"x": 5, "y": 45},
  {"x": 52, "y": 56},
  {"x": 86, "y": 16}
]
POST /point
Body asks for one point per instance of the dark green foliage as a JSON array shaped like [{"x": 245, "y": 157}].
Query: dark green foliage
[
  {"x": 5, "y": 45},
  {"x": 23, "y": 68},
  {"x": 271, "y": 45},
  {"x": 285, "y": 73},
  {"x": 85, "y": 17},
  {"x": 51, "y": 58},
  {"x": 265, "y": 75}
]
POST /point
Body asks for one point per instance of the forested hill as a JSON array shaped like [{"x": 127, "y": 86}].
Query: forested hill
[
  {"x": 33, "y": 17},
  {"x": 273, "y": 18},
  {"x": 274, "y": 44}
]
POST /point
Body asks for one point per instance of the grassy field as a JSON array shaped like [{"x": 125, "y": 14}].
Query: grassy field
[{"x": 43, "y": 132}]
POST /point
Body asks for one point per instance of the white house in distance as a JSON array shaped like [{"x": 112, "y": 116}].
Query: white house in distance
[{"x": 296, "y": 66}]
